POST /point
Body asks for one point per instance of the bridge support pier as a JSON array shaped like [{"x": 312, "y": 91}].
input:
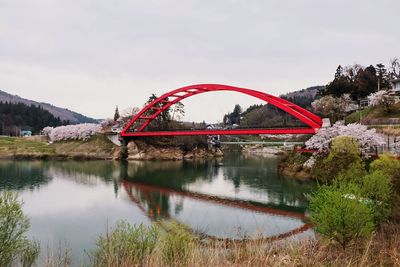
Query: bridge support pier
[{"x": 124, "y": 147}]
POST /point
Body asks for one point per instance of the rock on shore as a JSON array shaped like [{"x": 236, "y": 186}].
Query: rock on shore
[{"x": 141, "y": 151}]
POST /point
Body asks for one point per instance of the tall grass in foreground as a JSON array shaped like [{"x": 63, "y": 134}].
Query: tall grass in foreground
[
  {"x": 177, "y": 245},
  {"x": 15, "y": 248},
  {"x": 173, "y": 245},
  {"x": 126, "y": 245}
]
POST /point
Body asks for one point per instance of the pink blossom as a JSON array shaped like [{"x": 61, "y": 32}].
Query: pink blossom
[
  {"x": 72, "y": 132},
  {"x": 367, "y": 138}
]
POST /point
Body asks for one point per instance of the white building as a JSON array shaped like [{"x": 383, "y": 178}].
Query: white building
[{"x": 396, "y": 85}]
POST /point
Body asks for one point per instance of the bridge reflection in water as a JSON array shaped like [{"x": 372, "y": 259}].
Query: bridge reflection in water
[{"x": 237, "y": 208}]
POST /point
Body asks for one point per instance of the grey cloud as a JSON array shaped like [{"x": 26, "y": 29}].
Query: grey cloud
[{"x": 110, "y": 49}]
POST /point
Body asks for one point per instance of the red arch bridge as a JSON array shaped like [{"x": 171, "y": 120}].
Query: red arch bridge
[{"x": 137, "y": 127}]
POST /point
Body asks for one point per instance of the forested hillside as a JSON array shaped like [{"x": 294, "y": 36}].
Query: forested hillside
[
  {"x": 265, "y": 116},
  {"x": 62, "y": 113},
  {"x": 304, "y": 97},
  {"x": 14, "y": 116}
]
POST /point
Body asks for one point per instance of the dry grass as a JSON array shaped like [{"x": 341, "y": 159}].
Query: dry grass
[
  {"x": 12, "y": 146},
  {"x": 383, "y": 249},
  {"x": 389, "y": 130},
  {"x": 97, "y": 147}
]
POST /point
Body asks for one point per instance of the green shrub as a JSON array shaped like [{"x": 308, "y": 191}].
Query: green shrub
[
  {"x": 354, "y": 173},
  {"x": 178, "y": 245},
  {"x": 126, "y": 244},
  {"x": 377, "y": 187},
  {"x": 13, "y": 227},
  {"x": 344, "y": 152},
  {"x": 340, "y": 214},
  {"x": 296, "y": 158},
  {"x": 390, "y": 166}
]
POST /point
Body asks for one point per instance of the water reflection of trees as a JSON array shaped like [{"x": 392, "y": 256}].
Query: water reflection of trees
[
  {"x": 20, "y": 175},
  {"x": 257, "y": 175},
  {"x": 152, "y": 198},
  {"x": 172, "y": 174},
  {"x": 260, "y": 175},
  {"x": 156, "y": 205},
  {"x": 159, "y": 204},
  {"x": 84, "y": 171}
]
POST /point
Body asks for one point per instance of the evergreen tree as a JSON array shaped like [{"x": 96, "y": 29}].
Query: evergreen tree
[
  {"x": 162, "y": 119},
  {"x": 358, "y": 81},
  {"x": 116, "y": 114},
  {"x": 339, "y": 72},
  {"x": 14, "y": 116},
  {"x": 383, "y": 76},
  {"x": 234, "y": 116}
]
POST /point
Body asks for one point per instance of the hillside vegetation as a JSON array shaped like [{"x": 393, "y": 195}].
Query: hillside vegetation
[
  {"x": 63, "y": 113},
  {"x": 375, "y": 115},
  {"x": 97, "y": 147},
  {"x": 268, "y": 116},
  {"x": 14, "y": 116}
]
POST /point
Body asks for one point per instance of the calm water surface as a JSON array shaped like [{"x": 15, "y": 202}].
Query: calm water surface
[{"x": 239, "y": 196}]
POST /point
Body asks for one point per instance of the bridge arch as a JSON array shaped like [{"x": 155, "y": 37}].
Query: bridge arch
[{"x": 167, "y": 100}]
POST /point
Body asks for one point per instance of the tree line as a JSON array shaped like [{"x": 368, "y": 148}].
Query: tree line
[
  {"x": 267, "y": 116},
  {"x": 359, "y": 81},
  {"x": 350, "y": 84},
  {"x": 14, "y": 116}
]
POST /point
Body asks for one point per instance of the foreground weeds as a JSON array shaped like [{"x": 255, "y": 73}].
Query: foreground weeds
[
  {"x": 173, "y": 245},
  {"x": 126, "y": 245}
]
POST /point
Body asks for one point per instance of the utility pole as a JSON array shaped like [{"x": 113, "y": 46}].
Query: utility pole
[{"x": 379, "y": 84}]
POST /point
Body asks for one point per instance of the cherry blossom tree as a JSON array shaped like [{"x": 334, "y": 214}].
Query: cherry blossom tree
[
  {"x": 72, "y": 132},
  {"x": 333, "y": 106},
  {"x": 367, "y": 138},
  {"x": 310, "y": 162},
  {"x": 382, "y": 98},
  {"x": 107, "y": 123},
  {"x": 396, "y": 145},
  {"x": 47, "y": 130},
  {"x": 127, "y": 114}
]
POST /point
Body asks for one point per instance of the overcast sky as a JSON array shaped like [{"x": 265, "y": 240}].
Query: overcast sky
[{"x": 90, "y": 56}]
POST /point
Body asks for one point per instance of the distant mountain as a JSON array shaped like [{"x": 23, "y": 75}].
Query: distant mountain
[
  {"x": 308, "y": 92},
  {"x": 303, "y": 97},
  {"x": 62, "y": 113},
  {"x": 271, "y": 116}
]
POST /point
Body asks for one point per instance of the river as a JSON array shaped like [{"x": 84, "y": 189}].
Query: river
[{"x": 70, "y": 203}]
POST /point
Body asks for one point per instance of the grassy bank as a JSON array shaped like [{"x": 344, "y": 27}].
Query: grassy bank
[
  {"x": 97, "y": 147},
  {"x": 374, "y": 115}
]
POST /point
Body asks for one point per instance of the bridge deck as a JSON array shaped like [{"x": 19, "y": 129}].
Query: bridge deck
[{"x": 222, "y": 132}]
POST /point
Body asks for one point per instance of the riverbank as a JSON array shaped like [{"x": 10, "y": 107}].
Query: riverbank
[
  {"x": 98, "y": 147},
  {"x": 264, "y": 150},
  {"x": 292, "y": 165}
]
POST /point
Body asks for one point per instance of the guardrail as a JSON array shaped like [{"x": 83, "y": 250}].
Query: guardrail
[{"x": 261, "y": 143}]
